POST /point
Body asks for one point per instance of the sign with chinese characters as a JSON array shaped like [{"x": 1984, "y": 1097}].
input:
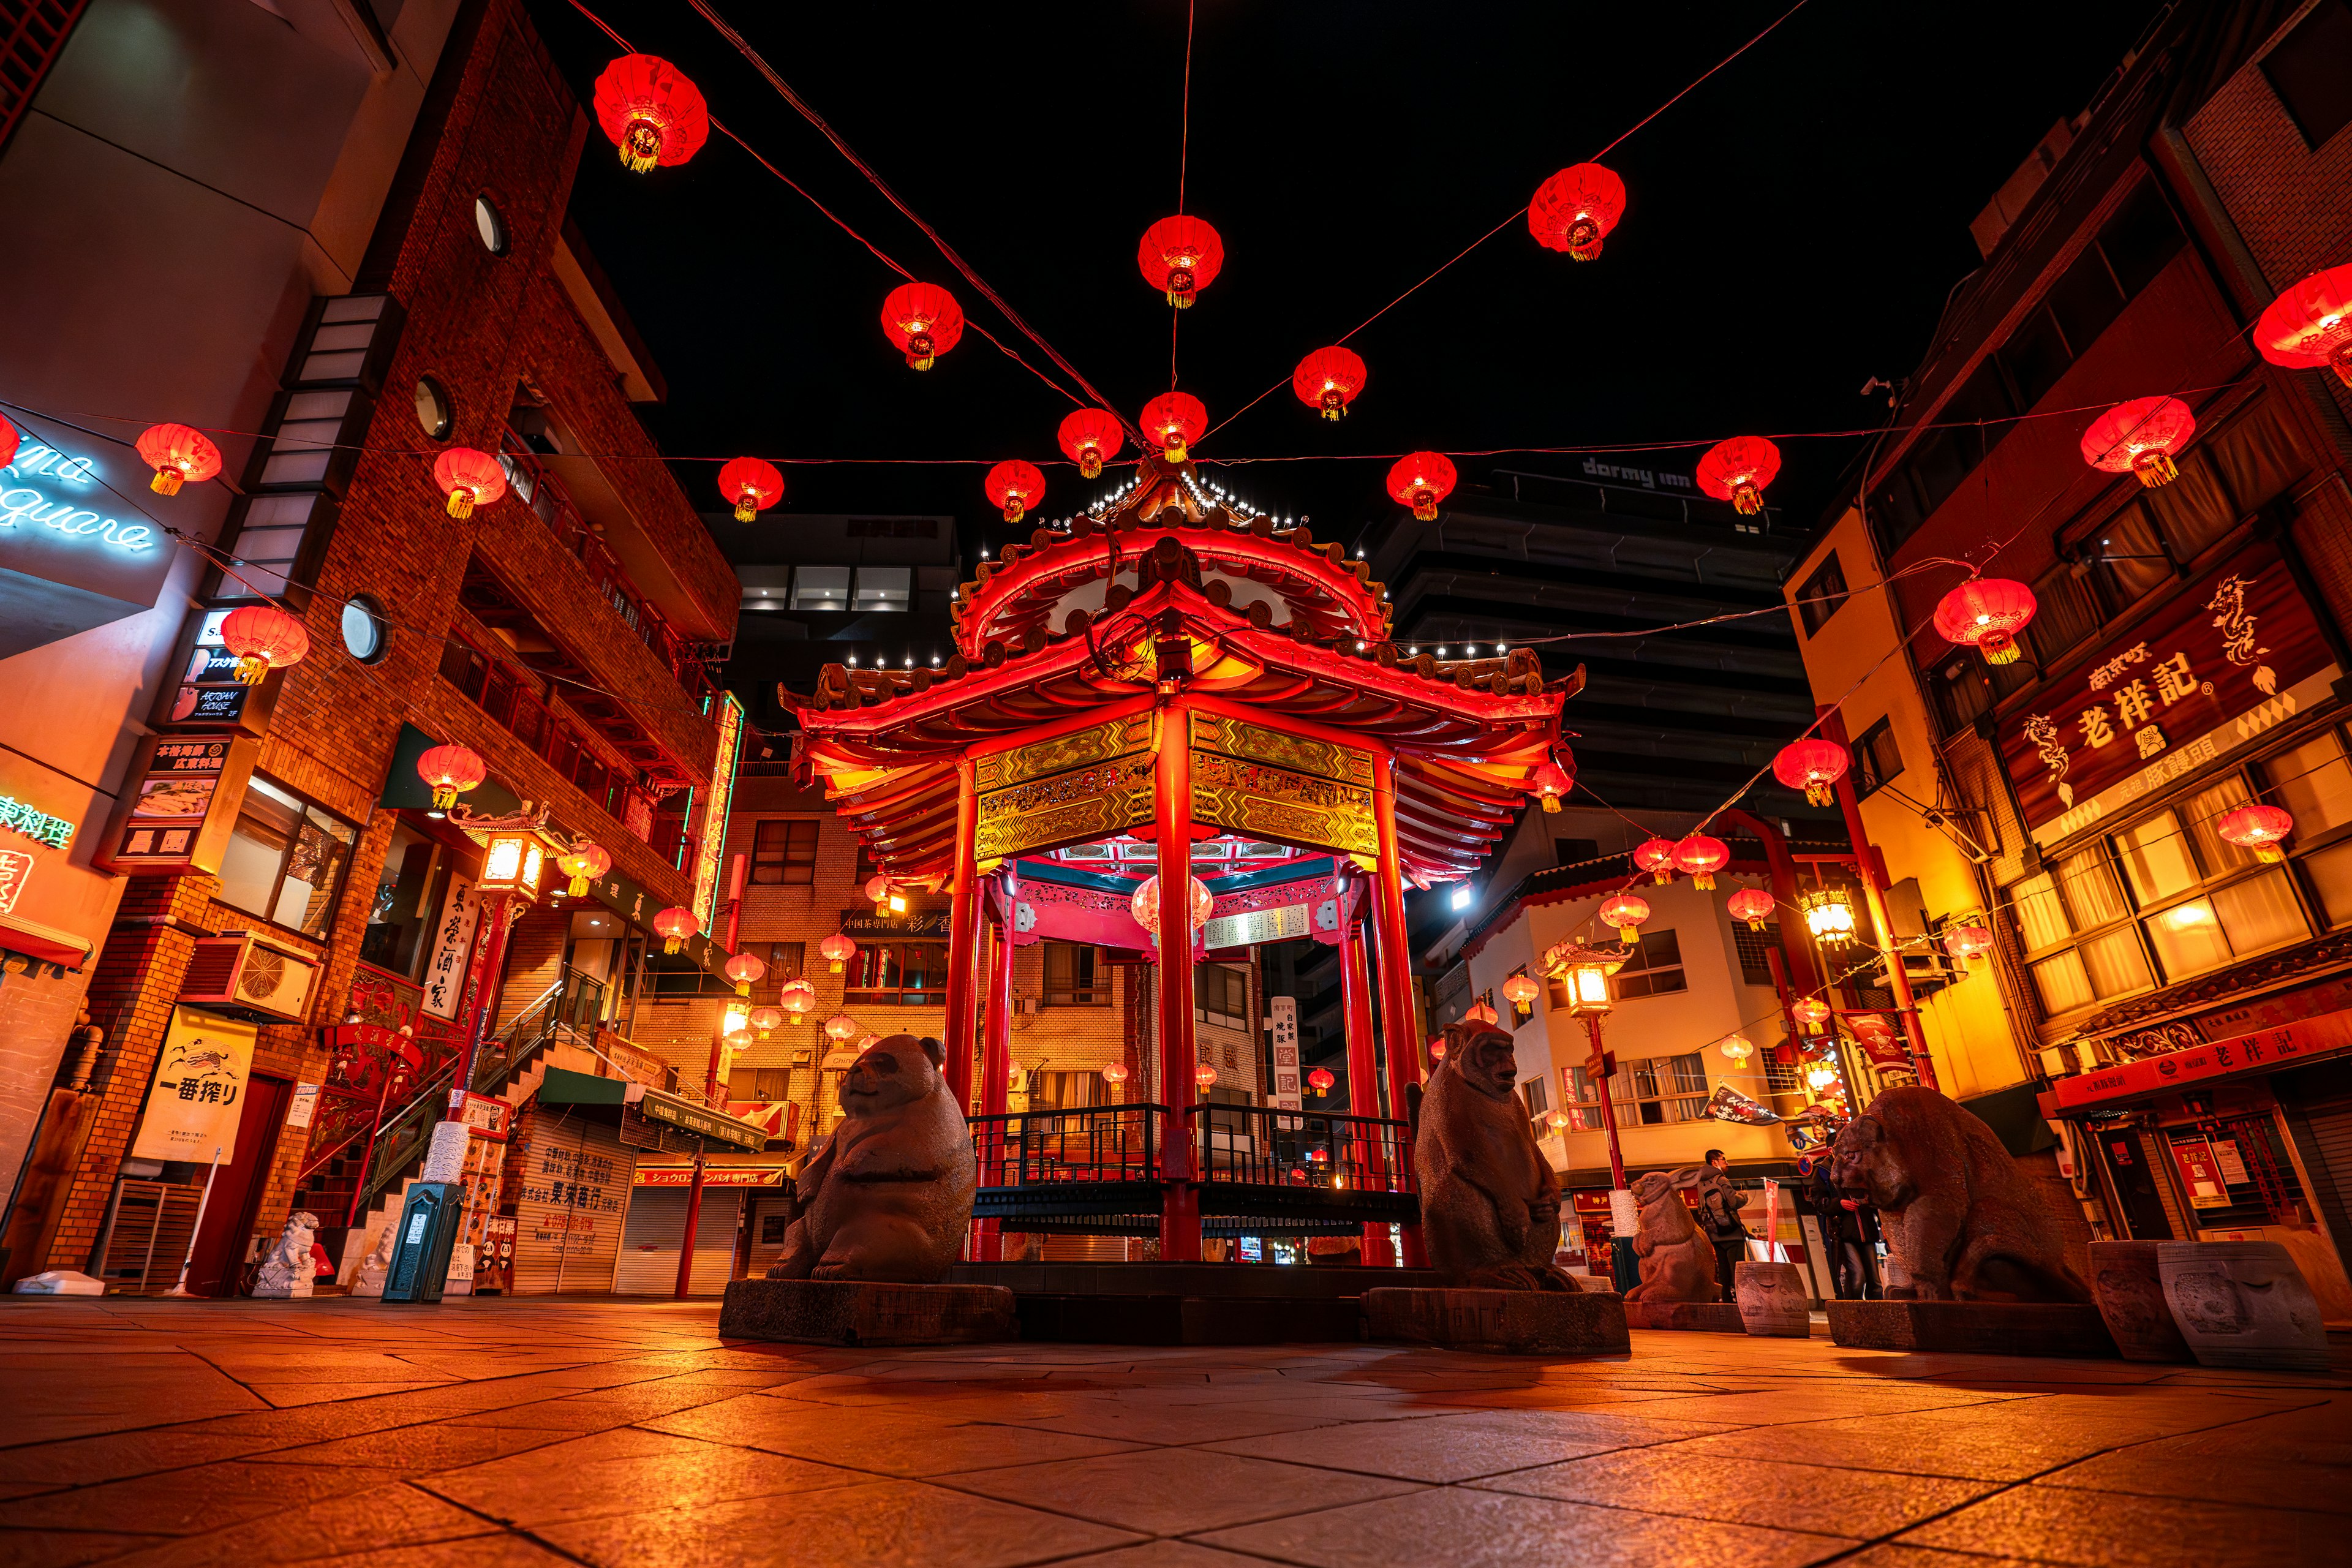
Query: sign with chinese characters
[
  {"x": 210, "y": 696},
  {"x": 182, "y": 803},
  {"x": 712, "y": 1176},
  {"x": 453, "y": 938},
  {"x": 38, "y": 825},
  {"x": 1265, "y": 784},
  {"x": 918, "y": 925},
  {"x": 2285, "y": 1044},
  {"x": 199, "y": 1091},
  {"x": 728, "y": 714},
  {"x": 303, "y": 1108},
  {"x": 2200, "y": 1172},
  {"x": 2233, "y": 656},
  {"x": 1256, "y": 926},
  {"x": 15, "y": 865},
  {"x": 1282, "y": 1024},
  {"x": 688, "y": 1117},
  {"x": 1065, "y": 789}
]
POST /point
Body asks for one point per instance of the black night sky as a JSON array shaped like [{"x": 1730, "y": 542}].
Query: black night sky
[{"x": 1792, "y": 228}]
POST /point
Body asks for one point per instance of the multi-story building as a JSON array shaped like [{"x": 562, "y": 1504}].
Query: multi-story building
[{"x": 2149, "y": 1022}]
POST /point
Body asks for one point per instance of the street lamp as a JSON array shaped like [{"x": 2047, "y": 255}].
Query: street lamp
[
  {"x": 1585, "y": 970},
  {"x": 1829, "y": 915},
  {"x": 512, "y": 862}
]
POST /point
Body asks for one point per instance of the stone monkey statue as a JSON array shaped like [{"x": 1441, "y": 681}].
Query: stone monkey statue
[
  {"x": 1677, "y": 1263},
  {"x": 888, "y": 1195},
  {"x": 1489, "y": 1202},
  {"x": 1958, "y": 1213}
]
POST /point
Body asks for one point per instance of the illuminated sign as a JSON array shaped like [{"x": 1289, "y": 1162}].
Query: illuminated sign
[
  {"x": 38, "y": 825},
  {"x": 729, "y": 717},
  {"x": 24, "y": 505}
]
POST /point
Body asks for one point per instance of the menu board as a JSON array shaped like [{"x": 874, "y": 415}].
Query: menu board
[
  {"x": 209, "y": 695},
  {"x": 176, "y": 814}
]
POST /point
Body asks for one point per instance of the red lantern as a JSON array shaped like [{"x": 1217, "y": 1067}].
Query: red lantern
[
  {"x": 1626, "y": 912},
  {"x": 451, "y": 770},
  {"x": 1700, "y": 856},
  {"x": 767, "y": 1020},
  {"x": 1175, "y": 420},
  {"x": 264, "y": 638},
  {"x": 1965, "y": 942},
  {"x": 1656, "y": 856},
  {"x": 1809, "y": 1012},
  {"x": 1519, "y": 991},
  {"x": 1575, "y": 209},
  {"x": 923, "y": 320},
  {"x": 841, "y": 1028},
  {"x": 1145, "y": 905},
  {"x": 583, "y": 865},
  {"x": 1320, "y": 1080},
  {"x": 2310, "y": 325},
  {"x": 1437, "y": 1049},
  {"x": 1179, "y": 257},
  {"x": 9, "y": 441},
  {"x": 2261, "y": 828},
  {"x": 177, "y": 454},
  {"x": 1420, "y": 480},
  {"x": 797, "y": 997},
  {"x": 1204, "y": 1075},
  {"x": 1089, "y": 436},
  {"x": 1480, "y": 1013},
  {"x": 1550, "y": 781},
  {"x": 1014, "y": 487},
  {"x": 1114, "y": 1073},
  {"x": 674, "y": 925},
  {"x": 878, "y": 888},
  {"x": 651, "y": 113},
  {"x": 1737, "y": 470},
  {"x": 838, "y": 951},
  {"x": 469, "y": 479},
  {"x": 1327, "y": 380},
  {"x": 2140, "y": 437},
  {"x": 1813, "y": 765},
  {"x": 746, "y": 970},
  {"x": 752, "y": 484},
  {"x": 1985, "y": 613},
  {"x": 1753, "y": 905}
]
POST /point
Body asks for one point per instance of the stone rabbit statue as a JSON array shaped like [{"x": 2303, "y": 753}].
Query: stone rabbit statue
[
  {"x": 1962, "y": 1219},
  {"x": 1677, "y": 1262},
  {"x": 1489, "y": 1201},
  {"x": 889, "y": 1196}
]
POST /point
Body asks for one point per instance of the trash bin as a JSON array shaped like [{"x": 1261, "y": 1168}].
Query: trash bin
[{"x": 428, "y": 1222}]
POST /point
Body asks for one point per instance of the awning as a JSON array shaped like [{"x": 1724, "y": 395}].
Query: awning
[
  {"x": 713, "y": 1175},
  {"x": 2265, "y": 1050},
  {"x": 47, "y": 943},
  {"x": 563, "y": 1086}
]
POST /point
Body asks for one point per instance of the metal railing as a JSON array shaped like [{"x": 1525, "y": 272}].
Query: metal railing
[
  {"x": 1258, "y": 1146},
  {"x": 1047, "y": 1147}
]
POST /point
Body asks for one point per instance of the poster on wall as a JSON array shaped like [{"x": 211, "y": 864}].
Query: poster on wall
[
  {"x": 453, "y": 940},
  {"x": 1282, "y": 1020},
  {"x": 199, "y": 1092},
  {"x": 2200, "y": 1172}
]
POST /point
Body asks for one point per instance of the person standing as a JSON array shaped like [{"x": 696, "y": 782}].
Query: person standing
[
  {"x": 1719, "y": 1203},
  {"x": 1845, "y": 1232}
]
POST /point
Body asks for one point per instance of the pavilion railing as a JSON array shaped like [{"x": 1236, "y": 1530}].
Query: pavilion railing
[
  {"x": 1099, "y": 1143},
  {"x": 1262, "y": 1147}
]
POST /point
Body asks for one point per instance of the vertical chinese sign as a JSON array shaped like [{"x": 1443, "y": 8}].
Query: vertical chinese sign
[{"x": 1281, "y": 1019}]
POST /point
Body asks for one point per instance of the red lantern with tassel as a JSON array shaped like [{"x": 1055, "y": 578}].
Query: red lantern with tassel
[
  {"x": 674, "y": 925},
  {"x": 1013, "y": 488},
  {"x": 1626, "y": 912},
  {"x": 264, "y": 638},
  {"x": 923, "y": 320},
  {"x": 469, "y": 479},
  {"x": 1753, "y": 905},
  {"x": 1656, "y": 856},
  {"x": 1575, "y": 209},
  {"x": 1089, "y": 436},
  {"x": 2140, "y": 437},
  {"x": 1737, "y": 470},
  {"x": 1700, "y": 857},
  {"x": 1813, "y": 765},
  {"x": 2261, "y": 828},
  {"x": 1421, "y": 480},
  {"x": 2310, "y": 325},
  {"x": 178, "y": 453},
  {"x": 753, "y": 485},
  {"x": 1986, "y": 614},
  {"x": 1175, "y": 420},
  {"x": 651, "y": 113},
  {"x": 1328, "y": 380},
  {"x": 1179, "y": 257},
  {"x": 451, "y": 770}
]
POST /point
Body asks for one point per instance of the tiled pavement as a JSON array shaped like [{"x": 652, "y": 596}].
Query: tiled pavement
[{"x": 492, "y": 1432}]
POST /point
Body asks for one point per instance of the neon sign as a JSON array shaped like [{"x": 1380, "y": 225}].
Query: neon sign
[
  {"x": 38, "y": 825},
  {"x": 22, "y": 506}
]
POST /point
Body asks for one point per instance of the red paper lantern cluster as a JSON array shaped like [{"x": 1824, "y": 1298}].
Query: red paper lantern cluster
[
  {"x": 1813, "y": 765},
  {"x": 1656, "y": 856},
  {"x": 468, "y": 478},
  {"x": 1737, "y": 470},
  {"x": 1327, "y": 380},
  {"x": 2310, "y": 325},
  {"x": 1014, "y": 487},
  {"x": 2140, "y": 437},
  {"x": 1175, "y": 420},
  {"x": 651, "y": 113},
  {"x": 922, "y": 320},
  {"x": 1753, "y": 905},
  {"x": 1700, "y": 856},
  {"x": 2261, "y": 828},
  {"x": 451, "y": 770},
  {"x": 1986, "y": 614},
  {"x": 1421, "y": 480},
  {"x": 177, "y": 453},
  {"x": 752, "y": 484},
  {"x": 264, "y": 638},
  {"x": 1089, "y": 436},
  {"x": 1179, "y": 257},
  {"x": 1576, "y": 208}
]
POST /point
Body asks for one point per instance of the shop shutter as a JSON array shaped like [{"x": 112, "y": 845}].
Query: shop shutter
[
  {"x": 2331, "y": 1142},
  {"x": 656, "y": 1223},
  {"x": 570, "y": 1189}
]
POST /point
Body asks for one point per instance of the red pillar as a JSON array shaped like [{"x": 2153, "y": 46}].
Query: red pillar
[
  {"x": 964, "y": 941},
  {"x": 1395, "y": 962},
  {"x": 1363, "y": 1068},
  {"x": 693, "y": 1219},
  {"x": 996, "y": 1059},
  {"x": 487, "y": 986},
  {"x": 1179, "y": 1214}
]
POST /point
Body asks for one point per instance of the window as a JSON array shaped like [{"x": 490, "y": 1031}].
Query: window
[
  {"x": 433, "y": 409},
  {"x": 498, "y": 692},
  {"x": 1581, "y": 1099},
  {"x": 821, "y": 588},
  {"x": 1779, "y": 1077},
  {"x": 769, "y": 1085},
  {"x": 1076, "y": 976},
  {"x": 286, "y": 858},
  {"x": 1656, "y": 1090},
  {"x": 1753, "y": 946},
  {"x": 1532, "y": 1091},
  {"x": 1221, "y": 995},
  {"x": 883, "y": 588},
  {"x": 1876, "y": 759},
  {"x": 1655, "y": 968},
  {"x": 787, "y": 961},
  {"x": 363, "y": 628},
  {"x": 1064, "y": 1090},
  {"x": 907, "y": 973},
  {"x": 2311, "y": 71},
  {"x": 488, "y": 226},
  {"x": 1820, "y": 595},
  {"x": 408, "y": 893},
  {"x": 783, "y": 852}
]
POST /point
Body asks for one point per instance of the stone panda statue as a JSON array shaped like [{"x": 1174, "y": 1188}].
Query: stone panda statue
[
  {"x": 888, "y": 1195},
  {"x": 1676, "y": 1263},
  {"x": 1959, "y": 1215},
  {"x": 1489, "y": 1201}
]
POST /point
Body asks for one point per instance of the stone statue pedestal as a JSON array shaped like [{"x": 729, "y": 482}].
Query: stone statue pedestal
[
  {"x": 865, "y": 1312},
  {"x": 1772, "y": 1299},
  {"x": 2129, "y": 1293},
  {"x": 2242, "y": 1304},
  {"x": 1686, "y": 1317},
  {"x": 1979, "y": 1328},
  {"x": 1500, "y": 1322}
]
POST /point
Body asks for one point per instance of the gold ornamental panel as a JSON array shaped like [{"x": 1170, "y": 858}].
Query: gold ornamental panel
[
  {"x": 1065, "y": 808},
  {"x": 1261, "y": 801},
  {"x": 1078, "y": 749},
  {"x": 1257, "y": 743}
]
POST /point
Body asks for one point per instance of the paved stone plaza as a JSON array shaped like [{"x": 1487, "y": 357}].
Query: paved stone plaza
[{"x": 492, "y": 1432}]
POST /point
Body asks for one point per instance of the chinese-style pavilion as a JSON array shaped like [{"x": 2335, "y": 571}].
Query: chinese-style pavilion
[{"x": 1174, "y": 669}]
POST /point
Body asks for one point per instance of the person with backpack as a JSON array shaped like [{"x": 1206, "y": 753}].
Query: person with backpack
[{"x": 1719, "y": 1203}]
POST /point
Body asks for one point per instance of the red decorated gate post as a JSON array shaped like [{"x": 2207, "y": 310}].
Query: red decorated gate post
[
  {"x": 1180, "y": 1210},
  {"x": 1394, "y": 957}
]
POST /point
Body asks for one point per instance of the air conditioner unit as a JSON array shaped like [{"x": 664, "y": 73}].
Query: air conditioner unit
[{"x": 240, "y": 973}]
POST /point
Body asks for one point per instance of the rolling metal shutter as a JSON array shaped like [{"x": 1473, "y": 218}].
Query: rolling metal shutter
[
  {"x": 572, "y": 1192},
  {"x": 649, "y": 1261}
]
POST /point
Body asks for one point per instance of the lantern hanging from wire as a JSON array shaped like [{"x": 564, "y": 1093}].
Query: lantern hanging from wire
[
  {"x": 1437, "y": 1048},
  {"x": 451, "y": 770},
  {"x": 9, "y": 441},
  {"x": 1754, "y": 905},
  {"x": 1551, "y": 781},
  {"x": 583, "y": 864},
  {"x": 674, "y": 925},
  {"x": 878, "y": 888},
  {"x": 1480, "y": 1013},
  {"x": 1811, "y": 764},
  {"x": 1116, "y": 1072},
  {"x": 1203, "y": 1076},
  {"x": 746, "y": 970},
  {"x": 1656, "y": 856},
  {"x": 1179, "y": 257},
  {"x": 1737, "y": 470},
  {"x": 651, "y": 113},
  {"x": 1736, "y": 1048},
  {"x": 1087, "y": 436},
  {"x": 841, "y": 1028},
  {"x": 1986, "y": 614},
  {"x": 2138, "y": 438},
  {"x": 178, "y": 453},
  {"x": 1145, "y": 904},
  {"x": 750, "y": 485},
  {"x": 1421, "y": 480},
  {"x": 2310, "y": 325},
  {"x": 264, "y": 637},
  {"x": 1329, "y": 380},
  {"x": 1521, "y": 993},
  {"x": 797, "y": 997},
  {"x": 1575, "y": 209},
  {"x": 1967, "y": 942},
  {"x": 468, "y": 478},
  {"x": 836, "y": 951},
  {"x": 1013, "y": 486},
  {"x": 1811, "y": 1012},
  {"x": 1700, "y": 856},
  {"x": 1320, "y": 1080},
  {"x": 923, "y": 320},
  {"x": 1175, "y": 420},
  {"x": 1626, "y": 911},
  {"x": 2258, "y": 827},
  {"x": 767, "y": 1020},
  {"x": 1829, "y": 915}
]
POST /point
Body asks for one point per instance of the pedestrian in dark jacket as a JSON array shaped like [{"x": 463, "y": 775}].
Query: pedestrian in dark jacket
[
  {"x": 1849, "y": 1229},
  {"x": 1719, "y": 1203}
]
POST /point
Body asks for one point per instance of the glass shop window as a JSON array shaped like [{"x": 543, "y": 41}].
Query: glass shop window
[
  {"x": 907, "y": 973},
  {"x": 408, "y": 894},
  {"x": 286, "y": 860},
  {"x": 783, "y": 852}
]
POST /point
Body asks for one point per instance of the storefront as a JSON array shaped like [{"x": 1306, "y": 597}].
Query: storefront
[{"x": 735, "y": 1198}]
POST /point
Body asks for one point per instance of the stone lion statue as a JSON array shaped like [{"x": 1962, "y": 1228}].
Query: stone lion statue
[
  {"x": 1489, "y": 1200},
  {"x": 287, "y": 1269},
  {"x": 888, "y": 1195},
  {"x": 1676, "y": 1263}
]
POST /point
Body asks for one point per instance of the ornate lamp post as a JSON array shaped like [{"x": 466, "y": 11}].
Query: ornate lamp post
[{"x": 1585, "y": 970}]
